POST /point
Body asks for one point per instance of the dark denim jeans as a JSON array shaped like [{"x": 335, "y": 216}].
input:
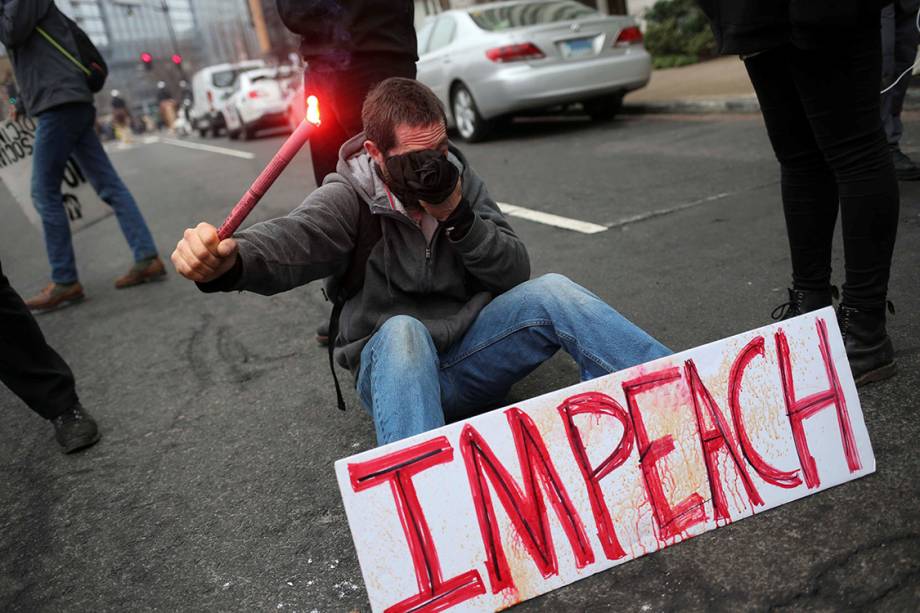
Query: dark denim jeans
[
  {"x": 65, "y": 131},
  {"x": 408, "y": 388}
]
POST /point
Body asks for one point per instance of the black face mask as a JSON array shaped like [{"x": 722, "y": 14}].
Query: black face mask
[{"x": 421, "y": 175}]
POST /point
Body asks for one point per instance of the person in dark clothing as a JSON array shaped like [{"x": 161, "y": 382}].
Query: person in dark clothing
[
  {"x": 349, "y": 46},
  {"x": 815, "y": 65},
  {"x": 167, "y": 106},
  {"x": 118, "y": 103},
  {"x": 38, "y": 375},
  {"x": 900, "y": 36}
]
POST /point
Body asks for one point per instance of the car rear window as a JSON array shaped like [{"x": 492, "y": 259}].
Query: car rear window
[
  {"x": 525, "y": 14},
  {"x": 224, "y": 78}
]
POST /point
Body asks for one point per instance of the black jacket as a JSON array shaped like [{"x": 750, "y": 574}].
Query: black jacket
[
  {"x": 46, "y": 78},
  {"x": 340, "y": 31},
  {"x": 749, "y": 26}
]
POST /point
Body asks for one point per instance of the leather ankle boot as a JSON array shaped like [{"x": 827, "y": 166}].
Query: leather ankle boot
[
  {"x": 868, "y": 345},
  {"x": 802, "y": 301}
]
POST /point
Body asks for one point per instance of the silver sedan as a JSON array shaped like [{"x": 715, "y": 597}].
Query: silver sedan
[{"x": 494, "y": 60}]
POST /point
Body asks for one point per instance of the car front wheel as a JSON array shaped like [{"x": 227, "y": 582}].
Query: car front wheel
[
  {"x": 470, "y": 124},
  {"x": 215, "y": 128}
]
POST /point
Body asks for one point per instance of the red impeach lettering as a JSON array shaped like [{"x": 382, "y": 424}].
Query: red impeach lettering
[
  {"x": 597, "y": 404},
  {"x": 397, "y": 469},
  {"x": 671, "y": 520},
  {"x": 801, "y": 409},
  {"x": 527, "y": 509},
  {"x": 767, "y": 472},
  {"x": 715, "y": 439}
]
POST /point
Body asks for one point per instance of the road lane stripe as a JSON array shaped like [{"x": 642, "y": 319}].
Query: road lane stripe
[
  {"x": 550, "y": 219},
  {"x": 209, "y": 148},
  {"x": 625, "y": 221}
]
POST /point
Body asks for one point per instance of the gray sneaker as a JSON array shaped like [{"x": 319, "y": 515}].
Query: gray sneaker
[{"x": 75, "y": 429}]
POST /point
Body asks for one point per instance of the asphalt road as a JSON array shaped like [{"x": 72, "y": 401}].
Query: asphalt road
[{"x": 213, "y": 488}]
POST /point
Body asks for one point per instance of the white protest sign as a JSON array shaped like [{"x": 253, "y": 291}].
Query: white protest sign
[
  {"x": 17, "y": 147},
  {"x": 487, "y": 512}
]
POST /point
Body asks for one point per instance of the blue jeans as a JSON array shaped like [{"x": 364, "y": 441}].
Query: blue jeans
[
  {"x": 409, "y": 388},
  {"x": 69, "y": 130}
]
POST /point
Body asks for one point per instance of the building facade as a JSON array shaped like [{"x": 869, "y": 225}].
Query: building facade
[{"x": 197, "y": 32}]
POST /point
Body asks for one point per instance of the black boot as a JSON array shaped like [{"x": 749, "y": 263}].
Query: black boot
[
  {"x": 867, "y": 343},
  {"x": 75, "y": 429},
  {"x": 904, "y": 167},
  {"x": 802, "y": 301}
]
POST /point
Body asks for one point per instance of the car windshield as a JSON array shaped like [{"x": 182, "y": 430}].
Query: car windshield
[{"x": 523, "y": 14}]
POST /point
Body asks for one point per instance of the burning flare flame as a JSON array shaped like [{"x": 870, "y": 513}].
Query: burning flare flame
[{"x": 313, "y": 110}]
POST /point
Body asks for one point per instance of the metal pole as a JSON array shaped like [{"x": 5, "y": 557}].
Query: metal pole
[{"x": 172, "y": 35}]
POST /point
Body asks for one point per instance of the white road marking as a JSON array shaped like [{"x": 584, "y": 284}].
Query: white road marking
[
  {"x": 209, "y": 148},
  {"x": 550, "y": 219}
]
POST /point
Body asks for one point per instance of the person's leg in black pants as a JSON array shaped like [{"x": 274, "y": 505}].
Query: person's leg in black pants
[
  {"x": 809, "y": 187},
  {"x": 341, "y": 95},
  {"x": 900, "y": 37},
  {"x": 326, "y": 139},
  {"x": 38, "y": 375},
  {"x": 837, "y": 90}
]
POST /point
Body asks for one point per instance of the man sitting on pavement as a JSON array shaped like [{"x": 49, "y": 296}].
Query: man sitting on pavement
[{"x": 444, "y": 319}]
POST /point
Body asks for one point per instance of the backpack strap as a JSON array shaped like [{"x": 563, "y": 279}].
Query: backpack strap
[
  {"x": 341, "y": 289},
  {"x": 333, "y": 334},
  {"x": 62, "y": 50}
]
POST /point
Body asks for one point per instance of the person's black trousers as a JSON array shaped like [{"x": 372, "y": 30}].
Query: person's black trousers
[
  {"x": 28, "y": 365},
  {"x": 900, "y": 38},
  {"x": 821, "y": 109},
  {"x": 341, "y": 94}
]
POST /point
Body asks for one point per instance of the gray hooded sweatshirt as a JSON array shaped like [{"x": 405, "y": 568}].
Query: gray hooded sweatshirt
[
  {"x": 414, "y": 269},
  {"x": 46, "y": 78}
]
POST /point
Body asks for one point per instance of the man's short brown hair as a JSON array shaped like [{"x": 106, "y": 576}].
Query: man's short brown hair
[{"x": 398, "y": 101}]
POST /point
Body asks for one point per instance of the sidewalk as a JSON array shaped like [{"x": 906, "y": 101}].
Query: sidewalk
[
  {"x": 719, "y": 85},
  {"x": 715, "y": 86}
]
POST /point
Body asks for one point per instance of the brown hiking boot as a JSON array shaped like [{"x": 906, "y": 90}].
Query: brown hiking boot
[
  {"x": 151, "y": 269},
  {"x": 56, "y": 295}
]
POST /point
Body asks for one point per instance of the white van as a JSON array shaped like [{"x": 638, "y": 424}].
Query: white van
[{"x": 211, "y": 87}]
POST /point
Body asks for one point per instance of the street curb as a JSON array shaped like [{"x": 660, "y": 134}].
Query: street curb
[
  {"x": 727, "y": 105},
  {"x": 740, "y": 104}
]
